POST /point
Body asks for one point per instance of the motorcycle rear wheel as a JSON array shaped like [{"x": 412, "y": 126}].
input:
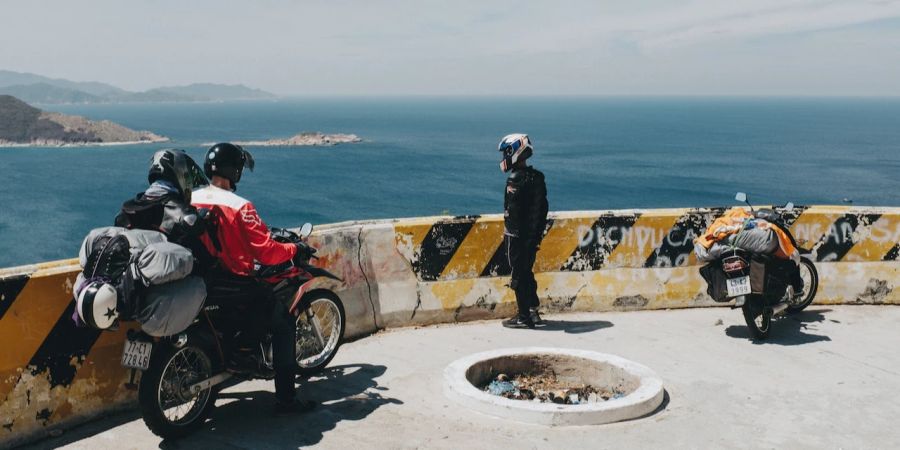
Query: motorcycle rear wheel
[
  {"x": 321, "y": 322},
  {"x": 168, "y": 411},
  {"x": 757, "y": 316}
]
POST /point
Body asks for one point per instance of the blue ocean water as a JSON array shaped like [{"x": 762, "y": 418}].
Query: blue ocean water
[{"x": 427, "y": 156}]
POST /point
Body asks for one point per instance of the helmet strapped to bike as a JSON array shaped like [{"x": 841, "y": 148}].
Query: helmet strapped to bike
[
  {"x": 514, "y": 148},
  {"x": 228, "y": 161},
  {"x": 97, "y": 304},
  {"x": 179, "y": 169}
]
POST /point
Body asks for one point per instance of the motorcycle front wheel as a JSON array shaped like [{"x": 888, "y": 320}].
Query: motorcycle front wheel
[
  {"x": 321, "y": 321},
  {"x": 167, "y": 407},
  {"x": 810, "y": 277},
  {"x": 757, "y": 316}
]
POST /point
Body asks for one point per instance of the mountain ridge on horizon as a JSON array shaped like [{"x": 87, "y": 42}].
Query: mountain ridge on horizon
[{"x": 34, "y": 88}]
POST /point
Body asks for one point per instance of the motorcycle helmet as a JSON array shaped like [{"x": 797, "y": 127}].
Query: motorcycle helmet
[
  {"x": 514, "y": 147},
  {"x": 179, "y": 169},
  {"x": 228, "y": 161},
  {"x": 97, "y": 305}
]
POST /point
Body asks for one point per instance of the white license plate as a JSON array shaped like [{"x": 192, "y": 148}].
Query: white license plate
[
  {"x": 738, "y": 286},
  {"x": 136, "y": 354}
]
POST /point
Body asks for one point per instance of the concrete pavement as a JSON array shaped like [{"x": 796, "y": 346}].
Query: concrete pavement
[{"x": 827, "y": 378}]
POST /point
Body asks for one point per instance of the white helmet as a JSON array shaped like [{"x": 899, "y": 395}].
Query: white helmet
[
  {"x": 96, "y": 305},
  {"x": 514, "y": 147}
]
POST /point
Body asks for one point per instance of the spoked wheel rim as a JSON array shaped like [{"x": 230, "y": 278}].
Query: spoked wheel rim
[
  {"x": 318, "y": 332},
  {"x": 186, "y": 367},
  {"x": 810, "y": 280}
]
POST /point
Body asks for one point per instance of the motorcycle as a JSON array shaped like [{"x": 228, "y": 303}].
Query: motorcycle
[
  {"x": 761, "y": 284},
  {"x": 183, "y": 374}
]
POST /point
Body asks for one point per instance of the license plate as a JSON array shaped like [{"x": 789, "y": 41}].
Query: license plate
[
  {"x": 738, "y": 286},
  {"x": 136, "y": 354}
]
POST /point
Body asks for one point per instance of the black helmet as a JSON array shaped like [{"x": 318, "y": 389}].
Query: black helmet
[
  {"x": 227, "y": 160},
  {"x": 176, "y": 167}
]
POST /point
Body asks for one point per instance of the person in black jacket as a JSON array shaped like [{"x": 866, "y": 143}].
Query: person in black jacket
[
  {"x": 165, "y": 205},
  {"x": 525, "y": 218}
]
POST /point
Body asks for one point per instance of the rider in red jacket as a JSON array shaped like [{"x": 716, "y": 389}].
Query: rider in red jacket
[
  {"x": 242, "y": 236},
  {"x": 239, "y": 241}
]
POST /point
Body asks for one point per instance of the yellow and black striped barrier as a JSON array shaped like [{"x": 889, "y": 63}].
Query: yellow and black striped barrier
[
  {"x": 631, "y": 259},
  {"x": 50, "y": 370}
]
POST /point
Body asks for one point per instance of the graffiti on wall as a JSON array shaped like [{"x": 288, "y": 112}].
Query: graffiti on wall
[{"x": 645, "y": 240}]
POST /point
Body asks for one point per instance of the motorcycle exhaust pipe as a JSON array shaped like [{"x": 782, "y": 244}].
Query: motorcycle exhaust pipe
[{"x": 777, "y": 309}]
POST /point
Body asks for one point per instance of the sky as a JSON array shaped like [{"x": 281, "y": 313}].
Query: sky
[{"x": 462, "y": 47}]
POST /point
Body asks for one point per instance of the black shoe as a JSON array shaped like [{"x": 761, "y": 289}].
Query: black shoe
[
  {"x": 536, "y": 317},
  {"x": 518, "y": 322},
  {"x": 294, "y": 407}
]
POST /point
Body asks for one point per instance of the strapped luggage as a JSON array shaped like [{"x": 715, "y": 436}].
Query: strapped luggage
[
  {"x": 150, "y": 275},
  {"x": 170, "y": 308}
]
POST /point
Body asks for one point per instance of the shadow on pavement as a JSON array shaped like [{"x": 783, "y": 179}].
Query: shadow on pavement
[
  {"x": 575, "y": 327},
  {"x": 347, "y": 392},
  {"x": 86, "y": 430},
  {"x": 788, "y": 330}
]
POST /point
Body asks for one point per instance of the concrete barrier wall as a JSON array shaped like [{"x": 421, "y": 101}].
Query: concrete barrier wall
[
  {"x": 431, "y": 270},
  {"x": 457, "y": 269}
]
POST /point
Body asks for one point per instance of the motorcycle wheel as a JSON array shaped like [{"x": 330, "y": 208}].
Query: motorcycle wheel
[
  {"x": 168, "y": 411},
  {"x": 757, "y": 316},
  {"x": 810, "y": 277},
  {"x": 320, "y": 330}
]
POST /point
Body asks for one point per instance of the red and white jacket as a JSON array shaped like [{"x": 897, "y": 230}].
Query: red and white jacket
[{"x": 242, "y": 235}]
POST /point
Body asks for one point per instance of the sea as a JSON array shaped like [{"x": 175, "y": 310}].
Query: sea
[{"x": 424, "y": 156}]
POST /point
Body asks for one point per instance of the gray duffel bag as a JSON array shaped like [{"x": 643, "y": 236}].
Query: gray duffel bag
[
  {"x": 137, "y": 240},
  {"x": 761, "y": 241},
  {"x": 162, "y": 262},
  {"x": 170, "y": 308}
]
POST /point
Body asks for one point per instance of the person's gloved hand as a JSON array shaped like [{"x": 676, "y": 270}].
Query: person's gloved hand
[{"x": 304, "y": 252}]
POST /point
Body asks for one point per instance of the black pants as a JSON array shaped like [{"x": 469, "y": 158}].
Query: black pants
[
  {"x": 257, "y": 312},
  {"x": 521, "y": 260}
]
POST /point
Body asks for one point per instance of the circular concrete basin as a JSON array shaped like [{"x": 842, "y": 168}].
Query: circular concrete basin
[{"x": 643, "y": 389}]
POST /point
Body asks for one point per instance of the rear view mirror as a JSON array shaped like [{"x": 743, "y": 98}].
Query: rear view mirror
[
  {"x": 741, "y": 197},
  {"x": 306, "y": 230}
]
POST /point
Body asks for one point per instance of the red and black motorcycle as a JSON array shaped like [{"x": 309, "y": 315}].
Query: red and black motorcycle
[{"x": 183, "y": 374}]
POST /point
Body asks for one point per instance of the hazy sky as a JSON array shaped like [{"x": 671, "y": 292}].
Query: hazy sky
[{"x": 352, "y": 47}]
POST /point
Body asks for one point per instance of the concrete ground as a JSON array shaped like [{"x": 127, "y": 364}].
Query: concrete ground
[{"x": 827, "y": 378}]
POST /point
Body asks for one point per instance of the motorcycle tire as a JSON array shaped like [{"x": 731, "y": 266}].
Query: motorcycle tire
[
  {"x": 326, "y": 307},
  {"x": 754, "y": 310},
  {"x": 174, "y": 364},
  {"x": 810, "y": 290}
]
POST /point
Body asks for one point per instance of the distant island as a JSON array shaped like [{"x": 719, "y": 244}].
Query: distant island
[
  {"x": 305, "y": 139},
  {"x": 39, "y": 89},
  {"x": 24, "y": 125}
]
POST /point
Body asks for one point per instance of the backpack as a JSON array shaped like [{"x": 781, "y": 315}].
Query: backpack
[
  {"x": 108, "y": 258},
  {"x": 142, "y": 214}
]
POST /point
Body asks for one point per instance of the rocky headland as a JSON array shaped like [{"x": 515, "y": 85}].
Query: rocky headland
[
  {"x": 306, "y": 138},
  {"x": 24, "y": 125}
]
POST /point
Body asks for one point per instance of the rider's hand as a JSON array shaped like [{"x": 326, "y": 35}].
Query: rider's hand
[{"x": 304, "y": 252}]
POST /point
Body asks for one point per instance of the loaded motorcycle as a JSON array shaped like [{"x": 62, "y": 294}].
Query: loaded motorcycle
[
  {"x": 761, "y": 284},
  {"x": 182, "y": 374}
]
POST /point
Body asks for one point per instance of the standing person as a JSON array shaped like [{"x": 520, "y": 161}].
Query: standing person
[
  {"x": 525, "y": 217},
  {"x": 240, "y": 240}
]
